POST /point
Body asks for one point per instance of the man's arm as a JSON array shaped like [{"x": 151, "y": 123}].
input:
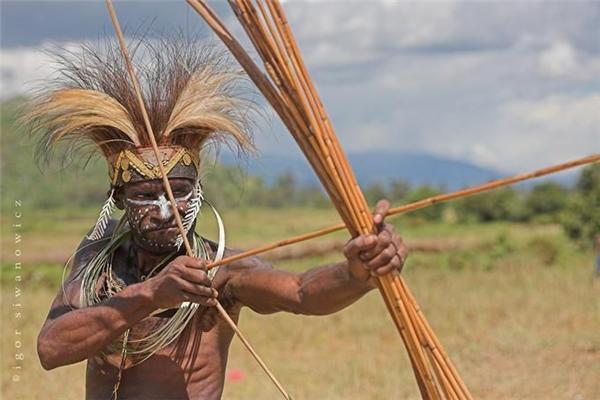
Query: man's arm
[
  {"x": 321, "y": 290},
  {"x": 71, "y": 334},
  {"x": 318, "y": 291}
]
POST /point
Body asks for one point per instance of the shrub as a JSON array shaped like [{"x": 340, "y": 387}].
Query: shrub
[
  {"x": 499, "y": 205},
  {"x": 581, "y": 217},
  {"x": 545, "y": 202}
]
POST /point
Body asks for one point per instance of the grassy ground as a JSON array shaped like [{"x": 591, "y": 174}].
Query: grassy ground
[{"x": 516, "y": 308}]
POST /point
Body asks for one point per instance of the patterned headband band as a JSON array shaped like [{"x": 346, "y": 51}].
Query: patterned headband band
[{"x": 140, "y": 164}]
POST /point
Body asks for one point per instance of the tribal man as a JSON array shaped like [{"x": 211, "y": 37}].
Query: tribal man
[{"x": 134, "y": 306}]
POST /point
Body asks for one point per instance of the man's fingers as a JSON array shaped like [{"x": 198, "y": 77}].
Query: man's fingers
[
  {"x": 191, "y": 262},
  {"x": 381, "y": 210},
  {"x": 394, "y": 264},
  {"x": 196, "y": 276},
  {"x": 197, "y": 290},
  {"x": 378, "y": 267},
  {"x": 361, "y": 243},
  {"x": 382, "y": 258},
  {"x": 382, "y": 240}
]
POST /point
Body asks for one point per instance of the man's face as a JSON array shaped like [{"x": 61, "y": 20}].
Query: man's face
[{"x": 150, "y": 215}]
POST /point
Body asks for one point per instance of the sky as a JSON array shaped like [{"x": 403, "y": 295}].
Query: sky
[{"x": 507, "y": 85}]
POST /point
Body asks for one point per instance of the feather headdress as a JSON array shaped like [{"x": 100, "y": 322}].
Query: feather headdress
[{"x": 192, "y": 93}]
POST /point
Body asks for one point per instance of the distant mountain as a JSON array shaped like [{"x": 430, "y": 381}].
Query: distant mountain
[{"x": 378, "y": 167}]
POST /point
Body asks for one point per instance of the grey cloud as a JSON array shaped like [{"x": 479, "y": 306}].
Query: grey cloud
[{"x": 30, "y": 23}]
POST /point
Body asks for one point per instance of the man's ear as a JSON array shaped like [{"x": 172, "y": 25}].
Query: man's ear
[{"x": 119, "y": 197}]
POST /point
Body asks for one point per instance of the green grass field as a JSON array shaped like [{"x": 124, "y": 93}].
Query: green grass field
[{"x": 516, "y": 307}]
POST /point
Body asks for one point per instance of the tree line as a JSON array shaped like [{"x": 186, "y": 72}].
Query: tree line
[{"x": 576, "y": 208}]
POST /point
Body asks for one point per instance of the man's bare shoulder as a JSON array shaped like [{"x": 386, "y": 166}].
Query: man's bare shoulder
[
  {"x": 68, "y": 295},
  {"x": 88, "y": 248}
]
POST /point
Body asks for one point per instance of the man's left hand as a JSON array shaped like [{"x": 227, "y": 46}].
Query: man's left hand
[{"x": 376, "y": 255}]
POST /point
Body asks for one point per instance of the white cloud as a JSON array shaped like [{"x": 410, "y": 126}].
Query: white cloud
[
  {"x": 532, "y": 133},
  {"x": 19, "y": 67},
  {"x": 23, "y": 69},
  {"x": 560, "y": 59}
]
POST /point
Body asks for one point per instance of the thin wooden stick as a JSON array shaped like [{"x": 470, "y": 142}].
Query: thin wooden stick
[
  {"x": 247, "y": 344},
  {"x": 420, "y": 204},
  {"x": 148, "y": 126},
  {"x": 167, "y": 187},
  {"x": 430, "y": 340},
  {"x": 441, "y": 379}
]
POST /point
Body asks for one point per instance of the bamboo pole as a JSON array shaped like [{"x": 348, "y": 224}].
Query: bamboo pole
[
  {"x": 344, "y": 168},
  {"x": 167, "y": 188},
  {"x": 403, "y": 335},
  {"x": 419, "y": 321},
  {"x": 415, "y": 348},
  {"x": 434, "y": 339},
  {"x": 353, "y": 206}
]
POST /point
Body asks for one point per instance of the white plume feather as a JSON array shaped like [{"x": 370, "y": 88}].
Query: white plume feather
[
  {"x": 103, "y": 218},
  {"x": 192, "y": 212}
]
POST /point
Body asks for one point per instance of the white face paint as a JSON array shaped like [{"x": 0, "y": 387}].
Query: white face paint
[
  {"x": 138, "y": 209},
  {"x": 162, "y": 203}
]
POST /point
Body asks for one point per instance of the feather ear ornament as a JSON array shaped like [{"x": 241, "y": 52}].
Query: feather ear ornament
[
  {"x": 192, "y": 212},
  {"x": 107, "y": 209}
]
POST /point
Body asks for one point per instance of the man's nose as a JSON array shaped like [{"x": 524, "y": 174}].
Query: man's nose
[
  {"x": 164, "y": 208},
  {"x": 163, "y": 212}
]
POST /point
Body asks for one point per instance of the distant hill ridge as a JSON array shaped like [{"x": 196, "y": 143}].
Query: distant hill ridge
[{"x": 378, "y": 167}]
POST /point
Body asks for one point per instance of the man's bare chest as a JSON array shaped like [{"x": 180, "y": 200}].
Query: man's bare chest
[{"x": 191, "y": 367}]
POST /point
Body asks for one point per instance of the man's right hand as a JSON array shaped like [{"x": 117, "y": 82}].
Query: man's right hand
[{"x": 183, "y": 279}]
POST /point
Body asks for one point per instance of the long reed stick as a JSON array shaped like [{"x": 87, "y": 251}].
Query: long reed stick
[
  {"x": 168, "y": 190},
  {"x": 417, "y": 205}
]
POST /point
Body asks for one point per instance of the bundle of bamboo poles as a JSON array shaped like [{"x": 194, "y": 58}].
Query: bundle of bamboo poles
[{"x": 290, "y": 91}]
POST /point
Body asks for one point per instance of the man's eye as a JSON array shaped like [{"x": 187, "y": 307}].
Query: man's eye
[{"x": 181, "y": 192}]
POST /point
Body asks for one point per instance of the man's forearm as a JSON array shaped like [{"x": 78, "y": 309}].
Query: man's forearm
[
  {"x": 83, "y": 333},
  {"x": 327, "y": 289}
]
